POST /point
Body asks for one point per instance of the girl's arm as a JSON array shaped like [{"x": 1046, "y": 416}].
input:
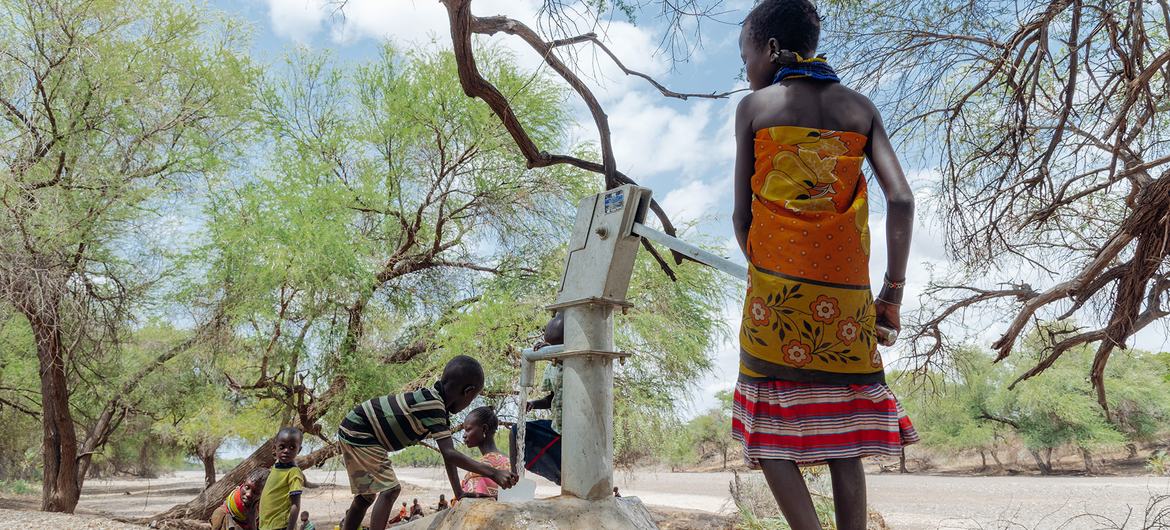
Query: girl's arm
[
  {"x": 745, "y": 161},
  {"x": 899, "y": 218}
]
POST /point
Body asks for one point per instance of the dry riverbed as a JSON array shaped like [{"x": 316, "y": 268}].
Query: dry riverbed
[{"x": 689, "y": 500}]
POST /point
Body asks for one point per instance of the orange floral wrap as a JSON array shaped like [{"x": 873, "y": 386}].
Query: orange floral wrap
[{"x": 808, "y": 314}]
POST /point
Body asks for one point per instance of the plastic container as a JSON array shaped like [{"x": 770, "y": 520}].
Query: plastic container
[{"x": 523, "y": 491}]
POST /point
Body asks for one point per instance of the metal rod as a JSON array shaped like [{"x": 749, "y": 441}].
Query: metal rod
[
  {"x": 702, "y": 256},
  {"x": 546, "y": 353}
]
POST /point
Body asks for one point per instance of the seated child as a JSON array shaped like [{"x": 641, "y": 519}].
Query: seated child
[
  {"x": 238, "y": 511},
  {"x": 280, "y": 505},
  {"x": 305, "y": 524},
  {"x": 401, "y": 515},
  {"x": 416, "y": 510},
  {"x": 391, "y": 423},
  {"x": 542, "y": 438},
  {"x": 479, "y": 431}
]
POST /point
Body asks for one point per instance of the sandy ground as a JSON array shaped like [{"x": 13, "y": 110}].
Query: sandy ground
[
  {"x": 25, "y": 520},
  {"x": 922, "y": 502},
  {"x": 913, "y": 502}
]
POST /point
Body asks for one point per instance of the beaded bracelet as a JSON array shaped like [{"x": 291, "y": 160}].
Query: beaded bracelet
[{"x": 892, "y": 285}]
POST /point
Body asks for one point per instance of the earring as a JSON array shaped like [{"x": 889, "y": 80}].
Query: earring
[{"x": 784, "y": 57}]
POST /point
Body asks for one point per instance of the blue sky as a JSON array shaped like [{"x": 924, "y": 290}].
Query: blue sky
[{"x": 684, "y": 151}]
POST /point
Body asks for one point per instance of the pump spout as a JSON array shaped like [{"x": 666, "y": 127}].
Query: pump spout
[{"x": 528, "y": 359}]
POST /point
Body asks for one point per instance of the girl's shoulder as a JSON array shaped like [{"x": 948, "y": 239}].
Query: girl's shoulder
[{"x": 831, "y": 106}]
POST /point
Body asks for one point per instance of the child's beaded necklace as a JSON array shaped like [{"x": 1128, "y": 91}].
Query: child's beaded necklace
[{"x": 815, "y": 68}]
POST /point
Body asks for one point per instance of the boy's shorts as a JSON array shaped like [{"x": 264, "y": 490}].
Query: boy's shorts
[
  {"x": 542, "y": 449},
  {"x": 369, "y": 469}
]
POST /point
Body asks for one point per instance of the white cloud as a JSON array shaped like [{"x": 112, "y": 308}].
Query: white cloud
[
  {"x": 408, "y": 22},
  {"x": 298, "y": 20},
  {"x": 411, "y": 22},
  {"x": 650, "y": 137},
  {"x": 693, "y": 201}
]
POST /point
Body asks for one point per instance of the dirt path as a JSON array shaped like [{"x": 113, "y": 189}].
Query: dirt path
[
  {"x": 24, "y": 520},
  {"x": 918, "y": 502},
  {"x": 912, "y": 502}
]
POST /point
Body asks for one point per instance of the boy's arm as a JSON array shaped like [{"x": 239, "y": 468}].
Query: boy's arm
[
  {"x": 452, "y": 472},
  {"x": 452, "y": 457},
  {"x": 294, "y": 512},
  {"x": 294, "y": 497},
  {"x": 745, "y": 161}
]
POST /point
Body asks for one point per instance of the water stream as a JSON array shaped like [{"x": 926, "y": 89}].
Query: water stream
[{"x": 521, "y": 426}]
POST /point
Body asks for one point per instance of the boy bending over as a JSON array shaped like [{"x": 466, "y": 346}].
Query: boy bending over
[{"x": 384, "y": 424}]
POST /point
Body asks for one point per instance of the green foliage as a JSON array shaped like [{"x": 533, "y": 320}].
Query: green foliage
[
  {"x": 110, "y": 109},
  {"x": 704, "y": 435},
  {"x": 351, "y": 227},
  {"x": 1159, "y": 463},
  {"x": 19, "y": 487},
  {"x": 973, "y": 408},
  {"x": 949, "y": 413},
  {"x": 417, "y": 456},
  {"x": 671, "y": 331},
  {"x": 19, "y": 398}
]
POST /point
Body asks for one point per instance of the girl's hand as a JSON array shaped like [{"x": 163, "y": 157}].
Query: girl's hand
[{"x": 888, "y": 315}]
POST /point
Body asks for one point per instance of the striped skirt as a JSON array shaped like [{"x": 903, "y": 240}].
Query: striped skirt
[{"x": 810, "y": 423}]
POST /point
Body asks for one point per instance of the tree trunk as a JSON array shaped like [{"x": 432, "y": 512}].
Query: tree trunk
[
  {"x": 995, "y": 456},
  {"x": 1045, "y": 468},
  {"x": 208, "y": 469},
  {"x": 263, "y": 457},
  {"x": 725, "y": 458},
  {"x": 209, "y": 499},
  {"x": 902, "y": 461},
  {"x": 1132, "y": 447},
  {"x": 1088, "y": 458},
  {"x": 60, "y": 488},
  {"x": 1048, "y": 459},
  {"x": 983, "y": 458}
]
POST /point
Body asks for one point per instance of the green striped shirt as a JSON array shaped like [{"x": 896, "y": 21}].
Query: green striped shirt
[{"x": 397, "y": 421}]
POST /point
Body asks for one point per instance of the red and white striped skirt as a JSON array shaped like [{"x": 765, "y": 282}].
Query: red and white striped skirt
[{"x": 810, "y": 423}]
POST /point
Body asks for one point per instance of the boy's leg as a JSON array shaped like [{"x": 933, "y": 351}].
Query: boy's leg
[
  {"x": 382, "y": 508},
  {"x": 849, "y": 493},
  {"x": 787, "y": 485},
  {"x": 356, "y": 512}
]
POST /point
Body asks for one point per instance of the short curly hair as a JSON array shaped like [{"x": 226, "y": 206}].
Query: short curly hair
[{"x": 795, "y": 24}]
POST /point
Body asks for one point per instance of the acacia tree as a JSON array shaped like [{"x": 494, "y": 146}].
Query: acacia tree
[
  {"x": 395, "y": 229},
  {"x": 1050, "y": 120},
  {"x": 951, "y": 409},
  {"x": 106, "y": 104},
  {"x": 972, "y": 408}
]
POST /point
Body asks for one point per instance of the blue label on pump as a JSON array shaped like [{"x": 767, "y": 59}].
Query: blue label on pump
[{"x": 615, "y": 201}]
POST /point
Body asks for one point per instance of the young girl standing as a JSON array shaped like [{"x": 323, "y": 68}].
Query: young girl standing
[{"x": 811, "y": 388}]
